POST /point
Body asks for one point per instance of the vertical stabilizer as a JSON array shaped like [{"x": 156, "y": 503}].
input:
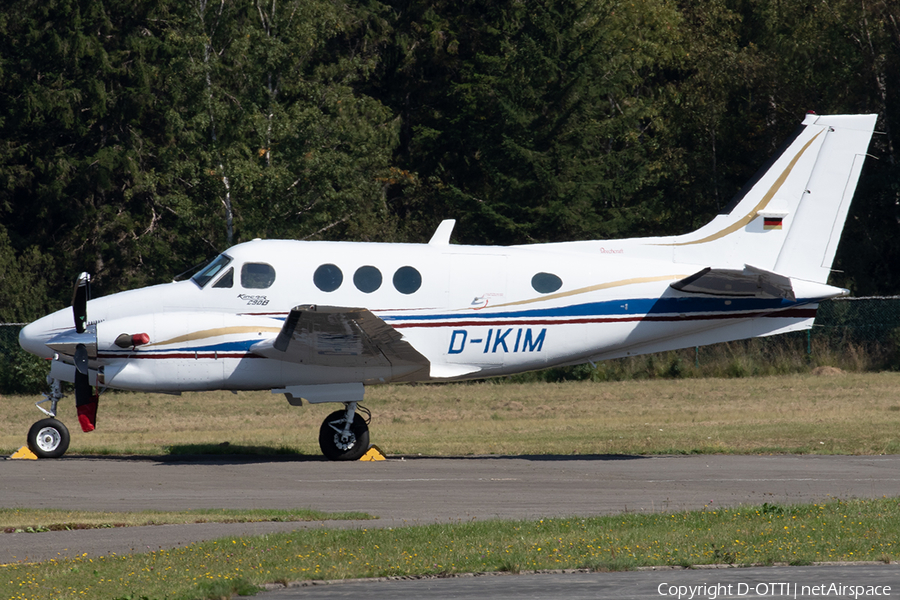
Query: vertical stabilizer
[
  {"x": 815, "y": 229},
  {"x": 789, "y": 218}
]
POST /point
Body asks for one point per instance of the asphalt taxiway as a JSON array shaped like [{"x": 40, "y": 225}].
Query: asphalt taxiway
[{"x": 408, "y": 490}]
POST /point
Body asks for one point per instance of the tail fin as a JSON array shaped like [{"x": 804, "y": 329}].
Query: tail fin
[
  {"x": 789, "y": 219},
  {"x": 815, "y": 230}
]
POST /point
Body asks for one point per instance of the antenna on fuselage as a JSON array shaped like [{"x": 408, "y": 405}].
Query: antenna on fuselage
[{"x": 441, "y": 235}]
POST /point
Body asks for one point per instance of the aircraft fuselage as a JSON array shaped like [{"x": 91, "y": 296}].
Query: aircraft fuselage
[{"x": 471, "y": 311}]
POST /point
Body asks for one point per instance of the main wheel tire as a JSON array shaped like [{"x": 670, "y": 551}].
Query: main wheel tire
[
  {"x": 48, "y": 438},
  {"x": 330, "y": 440}
]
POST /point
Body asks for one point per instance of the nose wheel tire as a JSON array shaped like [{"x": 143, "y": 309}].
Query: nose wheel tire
[
  {"x": 48, "y": 438},
  {"x": 336, "y": 446}
]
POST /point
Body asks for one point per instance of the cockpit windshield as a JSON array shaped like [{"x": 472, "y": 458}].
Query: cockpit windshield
[{"x": 211, "y": 270}]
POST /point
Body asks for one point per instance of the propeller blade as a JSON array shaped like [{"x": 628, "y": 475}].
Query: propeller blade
[
  {"x": 85, "y": 402},
  {"x": 79, "y": 301},
  {"x": 83, "y": 392},
  {"x": 81, "y": 359}
]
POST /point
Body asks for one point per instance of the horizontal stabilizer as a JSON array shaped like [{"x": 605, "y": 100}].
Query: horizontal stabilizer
[
  {"x": 749, "y": 282},
  {"x": 331, "y": 336}
]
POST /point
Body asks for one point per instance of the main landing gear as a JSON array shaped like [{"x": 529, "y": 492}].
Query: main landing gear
[
  {"x": 344, "y": 434},
  {"x": 49, "y": 438}
]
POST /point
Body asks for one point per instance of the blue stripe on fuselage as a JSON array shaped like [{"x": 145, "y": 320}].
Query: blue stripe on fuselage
[
  {"x": 633, "y": 306},
  {"x": 714, "y": 306}
]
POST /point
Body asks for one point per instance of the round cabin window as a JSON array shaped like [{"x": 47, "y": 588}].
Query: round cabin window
[
  {"x": 546, "y": 283},
  {"x": 328, "y": 278},
  {"x": 407, "y": 280},
  {"x": 367, "y": 279}
]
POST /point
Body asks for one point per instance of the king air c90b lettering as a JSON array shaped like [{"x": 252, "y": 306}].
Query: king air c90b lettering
[{"x": 266, "y": 315}]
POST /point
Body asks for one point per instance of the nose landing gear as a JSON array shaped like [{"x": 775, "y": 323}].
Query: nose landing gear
[{"x": 48, "y": 438}]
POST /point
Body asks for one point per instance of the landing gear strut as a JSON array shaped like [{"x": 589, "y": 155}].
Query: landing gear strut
[
  {"x": 53, "y": 397},
  {"x": 344, "y": 434}
]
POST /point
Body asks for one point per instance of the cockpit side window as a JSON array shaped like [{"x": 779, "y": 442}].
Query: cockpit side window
[
  {"x": 226, "y": 280},
  {"x": 211, "y": 270},
  {"x": 257, "y": 276}
]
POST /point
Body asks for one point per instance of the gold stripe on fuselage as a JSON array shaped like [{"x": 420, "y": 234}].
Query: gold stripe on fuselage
[
  {"x": 218, "y": 332},
  {"x": 594, "y": 288}
]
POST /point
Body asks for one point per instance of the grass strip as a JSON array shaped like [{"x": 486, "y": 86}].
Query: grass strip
[
  {"x": 36, "y": 520},
  {"x": 798, "y": 534},
  {"x": 845, "y": 413}
]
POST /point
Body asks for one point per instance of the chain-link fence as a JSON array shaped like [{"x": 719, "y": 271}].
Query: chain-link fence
[
  {"x": 860, "y": 319},
  {"x": 854, "y": 333},
  {"x": 9, "y": 337}
]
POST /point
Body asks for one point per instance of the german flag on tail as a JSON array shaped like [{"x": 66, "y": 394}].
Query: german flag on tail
[{"x": 772, "y": 223}]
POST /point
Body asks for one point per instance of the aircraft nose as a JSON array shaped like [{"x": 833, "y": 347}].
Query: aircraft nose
[{"x": 33, "y": 338}]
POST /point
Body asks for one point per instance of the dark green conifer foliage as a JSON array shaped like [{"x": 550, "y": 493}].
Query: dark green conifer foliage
[
  {"x": 529, "y": 121},
  {"x": 137, "y": 138}
]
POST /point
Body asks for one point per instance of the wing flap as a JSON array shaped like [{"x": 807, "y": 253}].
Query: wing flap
[
  {"x": 749, "y": 282},
  {"x": 333, "y": 336}
]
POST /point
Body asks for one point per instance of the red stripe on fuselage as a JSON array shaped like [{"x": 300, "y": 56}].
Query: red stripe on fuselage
[{"x": 800, "y": 313}]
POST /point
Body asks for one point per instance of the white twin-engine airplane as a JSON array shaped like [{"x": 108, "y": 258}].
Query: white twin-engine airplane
[{"x": 322, "y": 320}]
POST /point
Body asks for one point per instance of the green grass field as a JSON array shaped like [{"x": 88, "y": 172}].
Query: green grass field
[
  {"x": 831, "y": 413},
  {"x": 768, "y": 534},
  {"x": 39, "y": 520}
]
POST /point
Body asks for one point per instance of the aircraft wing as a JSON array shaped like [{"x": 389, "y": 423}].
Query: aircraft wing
[
  {"x": 749, "y": 282},
  {"x": 332, "y": 336}
]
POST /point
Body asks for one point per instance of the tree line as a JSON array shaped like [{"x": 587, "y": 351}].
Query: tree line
[{"x": 139, "y": 138}]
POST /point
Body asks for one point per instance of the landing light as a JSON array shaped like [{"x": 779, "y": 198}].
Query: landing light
[{"x": 127, "y": 340}]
